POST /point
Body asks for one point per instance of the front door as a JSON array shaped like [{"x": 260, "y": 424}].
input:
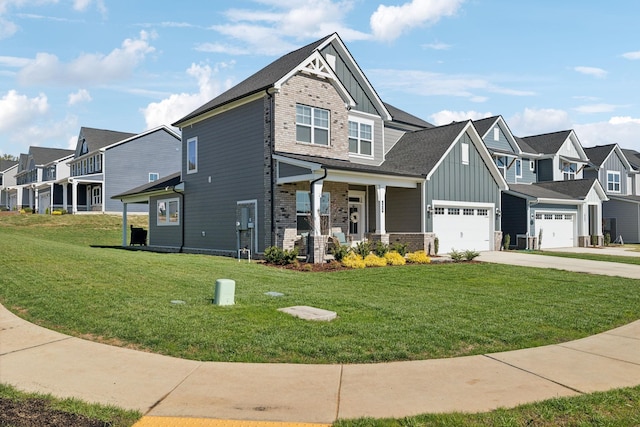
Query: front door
[{"x": 356, "y": 216}]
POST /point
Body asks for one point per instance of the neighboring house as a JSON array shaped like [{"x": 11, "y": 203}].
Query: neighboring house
[
  {"x": 37, "y": 171},
  {"x": 107, "y": 162},
  {"x": 305, "y": 148},
  {"x": 8, "y": 170},
  {"x": 621, "y": 214},
  {"x": 551, "y": 204}
]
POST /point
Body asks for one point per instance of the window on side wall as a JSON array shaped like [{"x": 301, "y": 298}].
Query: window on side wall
[
  {"x": 192, "y": 155},
  {"x": 501, "y": 162},
  {"x": 168, "y": 212},
  {"x": 153, "y": 176},
  {"x": 361, "y": 137},
  {"x": 303, "y": 212},
  {"x": 613, "y": 182},
  {"x": 569, "y": 171},
  {"x": 518, "y": 168},
  {"x": 312, "y": 125}
]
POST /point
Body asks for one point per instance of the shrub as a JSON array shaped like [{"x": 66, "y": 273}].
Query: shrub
[
  {"x": 401, "y": 248},
  {"x": 607, "y": 239},
  {"x": 436, "y": 246},
  {"x": 363, "y": 249},
  {"x": 56, "y": 213},
  {"x": 275, "y": 255},
  {"x": 373, "y": 260},
  {"x": 395, "y": 258},
  {"x": 46, "y": 211},
  {"x": 353, "y": 260},
  {"x": 339, "y": 252},
  {"x": 418, "y": 257},
  {"x": 507, "y": 241},
  {"x": 380, "y": 249},
  {"x": 470, "y": 255},
  {"x": 455, "y": 255},
  {"x": 594, "y": 240}
]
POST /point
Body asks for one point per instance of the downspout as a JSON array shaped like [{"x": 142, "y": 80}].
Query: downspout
[
  {"x": 181, "y": 217},
  {"x": 311, "y": 189},
  {"x": 272, "y": 127}
]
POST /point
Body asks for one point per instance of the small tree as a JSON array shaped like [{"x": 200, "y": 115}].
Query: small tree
[
  {"x": 436, "y": 246},
  {"x": 507, "y": 241}
]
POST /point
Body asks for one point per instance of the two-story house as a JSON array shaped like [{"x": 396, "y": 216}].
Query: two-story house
[
  {"x": 549, "y": 203},
  {"x": 306, "y": 147},
  {"x": 107, "y": 162},
  {"x": 36, "y": 168},
  {"x": 8, "y": 170},
  {"x": 621, "y": 213}
]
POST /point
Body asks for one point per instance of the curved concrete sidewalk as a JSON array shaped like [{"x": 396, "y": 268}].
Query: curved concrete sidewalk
[{"x": 39, "y": 360}]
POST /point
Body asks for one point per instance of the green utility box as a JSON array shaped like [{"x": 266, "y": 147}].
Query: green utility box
[{"x": 224, "y": 292}]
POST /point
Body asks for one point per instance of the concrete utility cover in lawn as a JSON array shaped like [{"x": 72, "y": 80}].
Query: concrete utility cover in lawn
[{"x": 309, "y": 313}]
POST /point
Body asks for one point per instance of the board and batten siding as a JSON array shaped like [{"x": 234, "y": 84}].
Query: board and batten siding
[
  {"x": 455, "y": 181},
  {"x": 231, "y": 166},
  {"x": 128, "y": 165},
  {"x": 613, "y": 163},
  {"x": 627, "y": 216},
  {"x": 501, "y": 144}
]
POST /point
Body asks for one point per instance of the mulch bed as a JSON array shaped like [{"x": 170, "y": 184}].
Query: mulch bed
[{"x": 38, "y": 413}]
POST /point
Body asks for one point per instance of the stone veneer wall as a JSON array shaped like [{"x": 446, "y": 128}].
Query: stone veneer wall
[
  {"x": 313, "y": 92},
  {"x": 415, "y": 241}
]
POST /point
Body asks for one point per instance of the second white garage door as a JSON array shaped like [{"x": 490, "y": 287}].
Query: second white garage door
[
  {"x": 557, "y": 230},
  {"x": 462, "y": 228}
]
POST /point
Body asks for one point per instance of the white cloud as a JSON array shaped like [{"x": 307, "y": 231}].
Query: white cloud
[
  {"x": 591, "y": 71},
  {"x": 389, "y": 22},
  {"x": 597, "y": 108},
  {"x": 621, "y": 130},
  {"x": 7, "y": 28},
  {"x": 437, "y": 46},
  {"x": 87, "y": 69},
  {"x": 17, "y": 111},
  {"x": 445, "y": 117},
  {"x": 83, "y": 5},
  {"x": 537, "y": 121},
  {"x": 177, "y": 106},
  {"x": 632, "y": 55},
  {"x": 14, "y": 61},
  {"x": 80, "y": 96}
]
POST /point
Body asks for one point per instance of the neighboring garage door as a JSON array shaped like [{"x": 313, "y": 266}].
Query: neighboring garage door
[
  {"x": 462, "y": 228},
  {"x": 557, "y": 230},
  {"x": 44, "y": 201}
]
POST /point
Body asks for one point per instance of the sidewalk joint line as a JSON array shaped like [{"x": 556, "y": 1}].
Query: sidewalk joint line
[
  {"x": 534, "y": 374},
  {"x": 339, "y": 391},
  {"x": 36, "y": 346},
  {"x": 162, "y": 398},
  {"x": 596, "y": 354}
]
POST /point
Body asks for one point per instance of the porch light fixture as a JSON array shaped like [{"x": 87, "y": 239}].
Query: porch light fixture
[
  {"x": 498, "y": 212},
  {"x": 429, "y": 209}
]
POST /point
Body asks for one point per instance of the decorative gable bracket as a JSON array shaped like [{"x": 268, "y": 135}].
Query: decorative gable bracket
[{"x": 316, "y": 65}]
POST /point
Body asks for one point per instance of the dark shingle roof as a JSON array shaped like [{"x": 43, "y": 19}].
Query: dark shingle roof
[
  {"x": 633, "y": 157},
  {"x": 6, "y": 164},
  {"x": 598, "y": 154},
  {"x": 159, "y": 184},
  {"x": 548, "y": 143},
  {"x": 417, "y": 153},
  {"x": 398, "y": 115},
  {"x": 576, "y": 189},
  {"x": 526, "y": 148},
  {"x": 44, "y": 155},
  {"x": 99, "y": 138},
  {"x": 259, "y": 81},
  {"x": 483, "y": 125}
]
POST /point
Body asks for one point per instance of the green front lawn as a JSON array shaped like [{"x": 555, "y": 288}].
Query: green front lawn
[
  {"x": 51, "y": 276},
  {"x": 593, "y": 257}
]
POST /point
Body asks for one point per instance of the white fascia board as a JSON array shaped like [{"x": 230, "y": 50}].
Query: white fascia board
[
  {"x": 599, "y": 189},
  {"x": 295, "y": 162},
  {"x": 386, "y": 116},
  {"x": 576, "y": 142},
  {"x": 329, "y": 74},
  {"x": 573, "y": 202},
  {"x": 458, "y": 204},
  {"x": 616, "y": 149},
  {"x": 223, "y": 108},
  {"x": 482, "y": 149},
  {"x": 360, "y": 178}
]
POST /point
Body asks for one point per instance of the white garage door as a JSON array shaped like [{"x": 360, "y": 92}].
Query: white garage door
[
  {"x": 557, "y": 230},
  {"x": 462, "y": 228}
]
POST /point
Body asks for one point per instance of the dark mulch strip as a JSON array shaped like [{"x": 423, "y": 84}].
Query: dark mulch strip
[{"x": 38, "y": 413}]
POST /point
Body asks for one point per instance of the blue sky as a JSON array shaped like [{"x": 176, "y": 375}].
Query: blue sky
[{"x": 543, "y": 65}]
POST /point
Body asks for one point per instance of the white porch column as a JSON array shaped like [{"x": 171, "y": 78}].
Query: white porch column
[
  {"x": 74, "y": 196},
  {"x": 36, "y": 200},
  {"x": 51, "y": 193},
  {"x": 124, "y": 224},
  {"x": 316, "y": 195},
  {"x": 381, "y": 200},
  {"x": 64, "y": 196}
]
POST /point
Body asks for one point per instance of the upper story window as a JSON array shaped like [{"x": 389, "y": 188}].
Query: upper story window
[
  {"x": 613, "y": 181},
  {"x": 84, "y": 149},
  {"x": 361, "y": 137},
  {"x": 501, "y": 162},
  {"x": 192, "y": 155},
  {"x": 518, "y": 168},
  {"x": 153, "y": 176},
  {"x": 569, "y": 171},
  {"x": 312, "y": 125}
]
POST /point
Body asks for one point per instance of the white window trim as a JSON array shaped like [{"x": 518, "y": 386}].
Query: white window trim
[
  {"x": 532, "y": 165},
  {"x": 313, "y": 126},
  {"x": 189, "y": 141},
  {"x": 614, "y": 173},
  {"x": 518, "y": 161},
  {"x": 503, "y": 168},
  {"x": 167, "y": 222},
  {"x": 371, "y": 123},
  {"x": 156, "y": 174},
  {"x": 496, "y": 133},
  {"x": 464, "y": 156}
]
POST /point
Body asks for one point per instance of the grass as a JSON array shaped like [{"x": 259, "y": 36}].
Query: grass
[
  {"x": 52, "y": 277},
  {"x": 110, "y": 415},
  {"x": 591, "y": 256},
  {"x": 619, "y": 407}
]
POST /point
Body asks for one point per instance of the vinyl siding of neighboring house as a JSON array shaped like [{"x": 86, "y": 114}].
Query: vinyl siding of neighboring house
[
  {"x": 514, "y": 217},
  {"x": 627, "y": 219},
  {"x": 128, "y": 165},
  {"x": 545, "y": 170},
  {"x": 231, "y": 168}
]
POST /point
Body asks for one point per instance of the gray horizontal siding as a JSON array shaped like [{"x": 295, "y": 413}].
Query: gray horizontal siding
[
  {"x": 168, "y": 236},
  {"x": 627, "y": 216}
]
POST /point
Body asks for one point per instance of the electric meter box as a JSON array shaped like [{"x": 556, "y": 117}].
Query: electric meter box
[{"x": 224, "y": 292}]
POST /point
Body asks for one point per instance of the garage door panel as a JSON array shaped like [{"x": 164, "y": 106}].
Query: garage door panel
[
  {"x": 557, "y": 230},
  {"x": 462, "y": 228}
]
